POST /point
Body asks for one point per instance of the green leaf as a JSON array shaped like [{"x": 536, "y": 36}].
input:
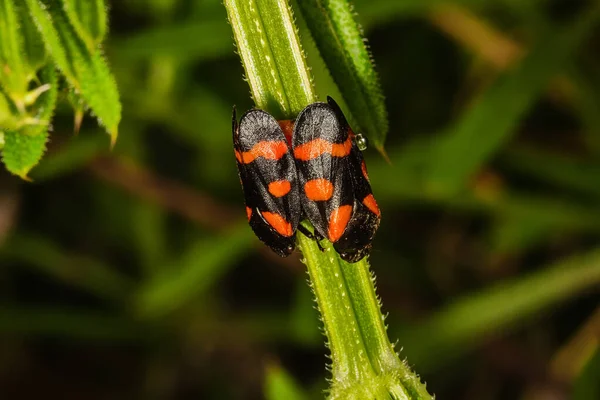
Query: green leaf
[
  {"x": 380, "y": 12},
  {"x": 193, "y": 273},
  {"x": 573, "y": 173},
  {"x": 13, "y": 76},
  {"x": 52, "y": 41},
  {"x": 23, "y": 148},
  {"x": 279, "y": 385},
  {"x": 275, "y": 68},
  {"x": 514, "y": 233},
  {"x": 148, "y": 230},
  {"x": 86, "y": 71},
  {"x": 507, "y": 204},
  {"x": 45, "y": 102},
  {"x": 468, "y": 321},
  {"x": 493, "y": 119},
  {"x": 342, "y": 45},
  {"x": 85, "y": 273},
  {"x": 79, "y": 108},
  {"x": 89, "y": 18},
  {"x": 8, "y": 119},
  {"x": 195, "y": 40},
  {"x": 22, "y": 152},
  {"x": 34, "y": 51},
  {"x": 88, "y": 325}
]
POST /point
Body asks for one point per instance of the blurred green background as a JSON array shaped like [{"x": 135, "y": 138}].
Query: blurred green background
[{"x": 133, "y": 274}]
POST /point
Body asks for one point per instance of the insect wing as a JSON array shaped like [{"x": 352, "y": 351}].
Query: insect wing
[
  {"x": 355, "y": 243},
  {"x": 321, "y": 146},
  {"x": 269, "y": 180},
  {"x": 333, "y": 183}
]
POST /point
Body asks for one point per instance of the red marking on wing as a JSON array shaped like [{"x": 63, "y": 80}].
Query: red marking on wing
[
  {"x": 318, "y": 147},
  {"x": 280, "y": 188},
  {"x": 371, "y": 204},
  {"x": 363, "y": 167},
  {"x": 249, "y": 212},
  {"x": 318, "y": 189},
  {"x": 338, "y": 221},
  {"x": 278, "y": 223},
  {"x": 268, "y": 150}
]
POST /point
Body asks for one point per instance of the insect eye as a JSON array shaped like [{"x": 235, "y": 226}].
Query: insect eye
[{"x": 361, "y": 141}]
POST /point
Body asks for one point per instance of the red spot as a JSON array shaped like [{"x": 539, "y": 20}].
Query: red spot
[
  {"x": 338, "y": 221},
  {"x": 280, "y": 188},
  {"x": 371, "y": 204},
  {"x": 268, "y": 150},
  {"x": 363, "y": 166},
  {"x": 248, "y": 212},
  {"x": 278, "y": 223},
  {"x": 318, "y": 189},
  {"x": 318, "y": 147},
  {"x": 287, "y": 126}
]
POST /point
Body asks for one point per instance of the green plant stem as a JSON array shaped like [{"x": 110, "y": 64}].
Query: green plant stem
[
  {"x": 364, "y": 364},
  {"x": 342, "y": 45},
  {"x": 337, "y": 310},
  {"x": 271, "y": 53},
  {"x": 360, "y": 285}
]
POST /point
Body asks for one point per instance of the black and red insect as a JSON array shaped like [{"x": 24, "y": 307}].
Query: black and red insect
[
  {"x": 269, "y": 180},
  {"x": 319, "y": 174}
]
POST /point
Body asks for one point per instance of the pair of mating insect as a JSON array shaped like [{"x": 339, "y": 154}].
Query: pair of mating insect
[{"x": 311, "y": 167}]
